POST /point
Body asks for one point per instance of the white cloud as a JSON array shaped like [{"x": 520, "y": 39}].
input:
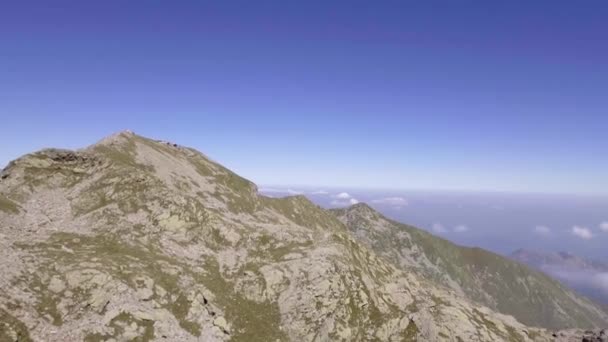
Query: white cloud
[
  {"x": 279, "y": 191},
  {"x": 343, "y": 195},
  {"x": 344, "y": 202},
  {"x": 582, "y": 279},
  {"x": 393, "y": 201},
  {"x": 542, "y": 230},
  {"x": 601, "y": 281},
  {"x": 269, "y": 190},
  {"x": 438, "y": 228},
  {"x": 343, "y": 199},
  {"x": 604, "y": 226},
  {"x": 582, "y": 232},
  {"x": 319, "y": 192},
  {"x": 461, "y": 228}
]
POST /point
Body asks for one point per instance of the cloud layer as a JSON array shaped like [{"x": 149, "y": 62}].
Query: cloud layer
[
  {"x": 438, "y": 228},
  {"x": 280, "y": 191},
  {"x": 343, "y": 195},
  {"x": 582, "y": 232},
  {"x": 392, "y": 201},
  {"x": 344, "y": 202},
  {"x": 589, "y": 282},
  {"x": 542, "y": 230},
  {"x": 343, "y": 199},
  {"x": 461, "y": 229}
]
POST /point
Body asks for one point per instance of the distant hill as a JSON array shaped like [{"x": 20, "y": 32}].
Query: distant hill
[{"x": 589, "y": 277}]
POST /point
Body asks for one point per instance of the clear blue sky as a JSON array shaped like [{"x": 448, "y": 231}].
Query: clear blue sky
[{"x": 478, "y": 95}]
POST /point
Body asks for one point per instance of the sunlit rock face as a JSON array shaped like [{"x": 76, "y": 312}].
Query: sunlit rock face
[{"x": 137, "y": 239}]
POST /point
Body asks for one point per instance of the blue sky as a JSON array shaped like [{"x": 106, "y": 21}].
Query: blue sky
[{"x": 476, "y": 95}]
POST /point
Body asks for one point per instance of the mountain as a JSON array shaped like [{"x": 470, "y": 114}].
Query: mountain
[
  {"x": 589, "y": 277},
  {"x": 133, "y": 239},
  {"x": 484, "y": 277}
]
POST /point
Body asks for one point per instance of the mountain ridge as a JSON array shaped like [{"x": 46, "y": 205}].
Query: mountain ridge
[
  {"x": 134, "y": 238},
  {"x": 462, "y": 270}
]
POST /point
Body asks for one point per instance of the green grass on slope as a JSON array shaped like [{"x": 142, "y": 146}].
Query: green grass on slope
[
  {"x": 487, "y": 278},
  {"x": 126, "y": 262},
  {"x": 526, "y": 294},
  {"x": 516, "y": 290},
  {"x": 11, "y": 329},
  {"x": 8, "y": 206},
  {"x": 301, "y": 211}
]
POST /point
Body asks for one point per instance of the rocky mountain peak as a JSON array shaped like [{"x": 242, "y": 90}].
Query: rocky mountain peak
[
  {"x": 138, "y": 239},
  {"x": 360, "y": 212},
  {"x": 362, "y": 207}
]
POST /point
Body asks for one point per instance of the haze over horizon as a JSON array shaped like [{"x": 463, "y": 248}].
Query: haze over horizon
[{"x": 493, "y": 97}]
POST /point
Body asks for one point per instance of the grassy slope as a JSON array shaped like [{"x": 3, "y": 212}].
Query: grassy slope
[{"x": 485, "y": 277}]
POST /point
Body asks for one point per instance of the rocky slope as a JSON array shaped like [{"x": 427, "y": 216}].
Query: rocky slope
[
  {"x": 484, "y": 277},
  {"x": 133, "y": 239}
]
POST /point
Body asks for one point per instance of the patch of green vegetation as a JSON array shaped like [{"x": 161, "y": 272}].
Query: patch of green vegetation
[
  {"x": 8, "y": 206},
  {"x": 355, "y": 313},
  {"x": 47, "y": 302},
  {"x": 218, "y": 238},
  {"x": 375, "y": 316},
  {"x": 438, "y": 301},
  {"x": 239, "y": 203},
  {"x": 270, "y": 249},
  {"x": 264, "y": 239},
  {"x": 12, "y": 329},
  {"x": 410, "y": 334},
  {"x": 278, "y": 252},
  {"x": 301, "y": 211},
  {"x": 479, "y": 318},
  {"x": 237, "y": 192},
  {"x": 129, "y": 191},
  {"x": 110, "y": 253},
  {"x": 513, "y": 336},
  {"x": 122, "y": 155},
  {"x": 533, "y": 335},
  {"x": 51, "y": 167},
  {"x": 412, "y": 307},
  {"x": 527, "y": 295},
  {"x": 251, "y": 321},
  {"x": 180, "y": 308}
]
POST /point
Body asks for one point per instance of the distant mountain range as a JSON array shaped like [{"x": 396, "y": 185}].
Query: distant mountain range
[
  {"x": 135, "y": 239},
  {"x": 589, "y": 277}
]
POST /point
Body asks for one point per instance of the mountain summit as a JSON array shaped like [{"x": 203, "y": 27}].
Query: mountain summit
[{"x": 138, "y": 239}]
